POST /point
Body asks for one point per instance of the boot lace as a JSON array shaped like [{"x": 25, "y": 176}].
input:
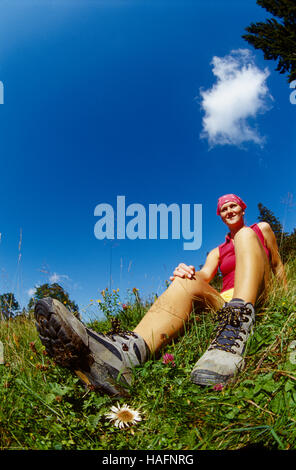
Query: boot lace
[
  {"x": 118, "y": 331},
  {"x": 230, "y": 327}
]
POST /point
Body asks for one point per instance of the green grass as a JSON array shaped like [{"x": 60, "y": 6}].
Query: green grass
[{"x": 46, "y": 407}]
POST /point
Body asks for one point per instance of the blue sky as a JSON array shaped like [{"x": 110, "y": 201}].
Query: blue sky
[{"x": 109, "y": 98}]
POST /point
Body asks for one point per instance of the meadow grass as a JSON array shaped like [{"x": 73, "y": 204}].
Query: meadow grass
[{"x": 44, "y": 406}]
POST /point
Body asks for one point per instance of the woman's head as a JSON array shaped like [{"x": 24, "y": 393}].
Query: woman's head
[{"x": 231, "y": 208}]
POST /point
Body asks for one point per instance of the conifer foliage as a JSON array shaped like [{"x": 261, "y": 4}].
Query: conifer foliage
[
  {"x": 286, "y": 242},
  {"x": 276, "y": 37}
]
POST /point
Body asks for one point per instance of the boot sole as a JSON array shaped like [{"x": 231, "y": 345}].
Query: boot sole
[
  {"x": 57, "y": 333},
  {"x": 59, "y": 339},
  {"x": 207, "y": 377}
]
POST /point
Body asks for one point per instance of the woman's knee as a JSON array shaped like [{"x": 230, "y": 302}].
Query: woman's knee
[
  {"x": 196, "y": 290},
  {"x": 246, "y": 240},
  {"x": 245, "y": 233},
  {"x": 193, "y": 287}
]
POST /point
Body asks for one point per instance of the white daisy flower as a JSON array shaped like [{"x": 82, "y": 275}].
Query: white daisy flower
[{"x": 123, "y": 416}]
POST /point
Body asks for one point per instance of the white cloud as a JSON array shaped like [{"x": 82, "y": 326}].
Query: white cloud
[
  {"x": 239, "y": 94},
  {"x": 57, "y": 277},
  {"x": 31, "y": 291}
]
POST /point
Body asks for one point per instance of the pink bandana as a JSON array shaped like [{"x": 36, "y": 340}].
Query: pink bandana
[{"x": 230, "y": 198}]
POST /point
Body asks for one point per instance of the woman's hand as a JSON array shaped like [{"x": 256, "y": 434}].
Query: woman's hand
[{"x": 183, "y": 271}]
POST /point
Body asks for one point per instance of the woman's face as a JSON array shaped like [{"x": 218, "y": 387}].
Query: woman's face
[{"x": 232, "y": 214}]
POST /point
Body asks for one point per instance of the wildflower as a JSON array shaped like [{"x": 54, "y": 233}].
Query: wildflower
[
  {"x": 33, "y": 347},
  {"x": 135, "y": 290},
  {"x": 123, "y": 416},
  {"x": 41, "y": 366},
  {"x": 124, "y": 306},
  {"x": 168, "y": 359},
  {"x": 218, "y": 387},
  {"x": 16, "y": 340},
  {"x": 99, "y": 301}
]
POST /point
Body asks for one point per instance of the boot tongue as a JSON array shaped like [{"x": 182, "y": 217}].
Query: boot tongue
[
  {"x": 236, "y": 302},
  {"x": 231, "y": 318}
]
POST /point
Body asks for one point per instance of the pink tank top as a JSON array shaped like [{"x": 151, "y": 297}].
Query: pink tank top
[{"x": 227, "y": 258}]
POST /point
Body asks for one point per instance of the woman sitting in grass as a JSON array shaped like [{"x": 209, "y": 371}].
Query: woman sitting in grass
[{"x": 104, "y": 361}]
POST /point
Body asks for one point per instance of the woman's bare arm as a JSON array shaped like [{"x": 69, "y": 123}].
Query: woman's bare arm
[
  {"x": 275, "y": 259},
  {"x": 207, "y": 272}
]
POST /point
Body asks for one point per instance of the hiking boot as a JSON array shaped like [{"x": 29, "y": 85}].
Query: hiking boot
[
  {"x": 101, "y": 361},
  {"x": 224, "y": 358}
]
